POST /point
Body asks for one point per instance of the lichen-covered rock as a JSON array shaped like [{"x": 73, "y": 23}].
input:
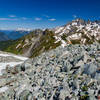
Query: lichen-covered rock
[
  {"x": 26, "y": 95},
  {"x": 70, "y": 73}
]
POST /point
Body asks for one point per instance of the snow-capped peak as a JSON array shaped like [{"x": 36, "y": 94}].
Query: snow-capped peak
[
  {"x": 85, "y": 31},
  {"x": 23, "y": 29}
]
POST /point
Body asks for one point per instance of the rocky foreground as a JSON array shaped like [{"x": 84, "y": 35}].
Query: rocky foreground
[{"x": 70, "y": 73}]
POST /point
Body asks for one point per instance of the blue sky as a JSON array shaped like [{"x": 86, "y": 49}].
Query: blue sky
[{"x": 45, "y": 13}]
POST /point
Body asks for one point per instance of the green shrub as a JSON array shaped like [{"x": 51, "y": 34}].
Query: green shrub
[
  {"x": 84, "y": 88},
  {"x": 84, "y": 97},
  {"x": 75, "y": 41}
]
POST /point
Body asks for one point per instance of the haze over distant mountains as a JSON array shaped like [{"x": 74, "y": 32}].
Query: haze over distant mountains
[{"x": 13, "y": 34}]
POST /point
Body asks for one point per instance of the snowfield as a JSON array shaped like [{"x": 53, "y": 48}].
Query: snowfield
[
  {"x": 12, "y": 55},
  {"x": 11, "y": 64},
  {"x": 3, "y": 65},
  {"x": 3, "y": 89}
]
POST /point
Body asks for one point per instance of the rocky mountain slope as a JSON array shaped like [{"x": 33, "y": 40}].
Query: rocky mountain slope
[
  {"x": 79, "y": 32},
  {"x": 76, "y": 32},
  {"x": 69, "y": 73},
  {"x": 33, "y": 44}
]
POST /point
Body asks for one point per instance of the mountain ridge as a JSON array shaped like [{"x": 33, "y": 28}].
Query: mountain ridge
[
  {"x": 81, "y": 30},
  {"x": 63, "y": 67},
  {"x": 15, "y": 34},
  {"x": 76, "y": 32}
]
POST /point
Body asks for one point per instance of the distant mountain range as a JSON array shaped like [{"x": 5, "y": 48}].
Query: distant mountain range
[
  {"x": 3, "y": 37},
  {"x": 17, "y": 34},
  {"x": 13, "y": 34},
  {"x": 76, "y": 32}
]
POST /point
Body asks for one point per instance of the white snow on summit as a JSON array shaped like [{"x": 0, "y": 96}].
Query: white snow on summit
[
  {"x": 23, "y": 29},
  {"x": 80, "y": 30}
]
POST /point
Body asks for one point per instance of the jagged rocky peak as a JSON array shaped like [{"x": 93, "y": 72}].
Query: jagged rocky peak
[
  {"x": 79, "y": 31},
  {"x": 78, "y": 21}
]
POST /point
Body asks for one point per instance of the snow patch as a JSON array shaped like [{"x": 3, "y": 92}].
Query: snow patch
[
  {"x": 59, "y": 29},
  {"x": 63, "y": 43},
  {"x": 11, "y": 64},
  {"x": 18, "y": 46},
  {"x": 68, "y": 27},
  {"x": 3, "y": 89},
  {"x": 74, "y": 23},
  {"x": 11, "y": 55}
]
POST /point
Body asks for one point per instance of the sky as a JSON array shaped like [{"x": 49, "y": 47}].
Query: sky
[{"x": 45, "y": 13}]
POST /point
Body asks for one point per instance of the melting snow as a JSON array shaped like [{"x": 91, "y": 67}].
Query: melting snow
[
  {"x": 11, "y": 55},
  {"x": 68, "y": 27},
  {"x": 18, "y": 46},
  {"x": 63, "y": 43},
  {"x": 57, "y": 39},
  {"x": 3, "y": 89},
  {"x": 74, "y": 23},
  {"x": 11, "y": 64},
  {"x": 59, "y": 29}
]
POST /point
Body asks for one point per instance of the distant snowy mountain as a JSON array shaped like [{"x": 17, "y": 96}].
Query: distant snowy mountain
[{"x": 24, "y": 29}]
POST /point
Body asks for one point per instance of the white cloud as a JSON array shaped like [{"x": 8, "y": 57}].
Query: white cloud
[
  {"x": 24, "y": 18},
  {"x": 8, "y": 19},
  {"x": 46, "y": 16},
  {"x": 74, "y": 16},
  {"x": 52, "y": 19},
  {"x": 12, "y": 16},
  {"x": 38, "y": 19},
  {"x": 3, "y": 28}
]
